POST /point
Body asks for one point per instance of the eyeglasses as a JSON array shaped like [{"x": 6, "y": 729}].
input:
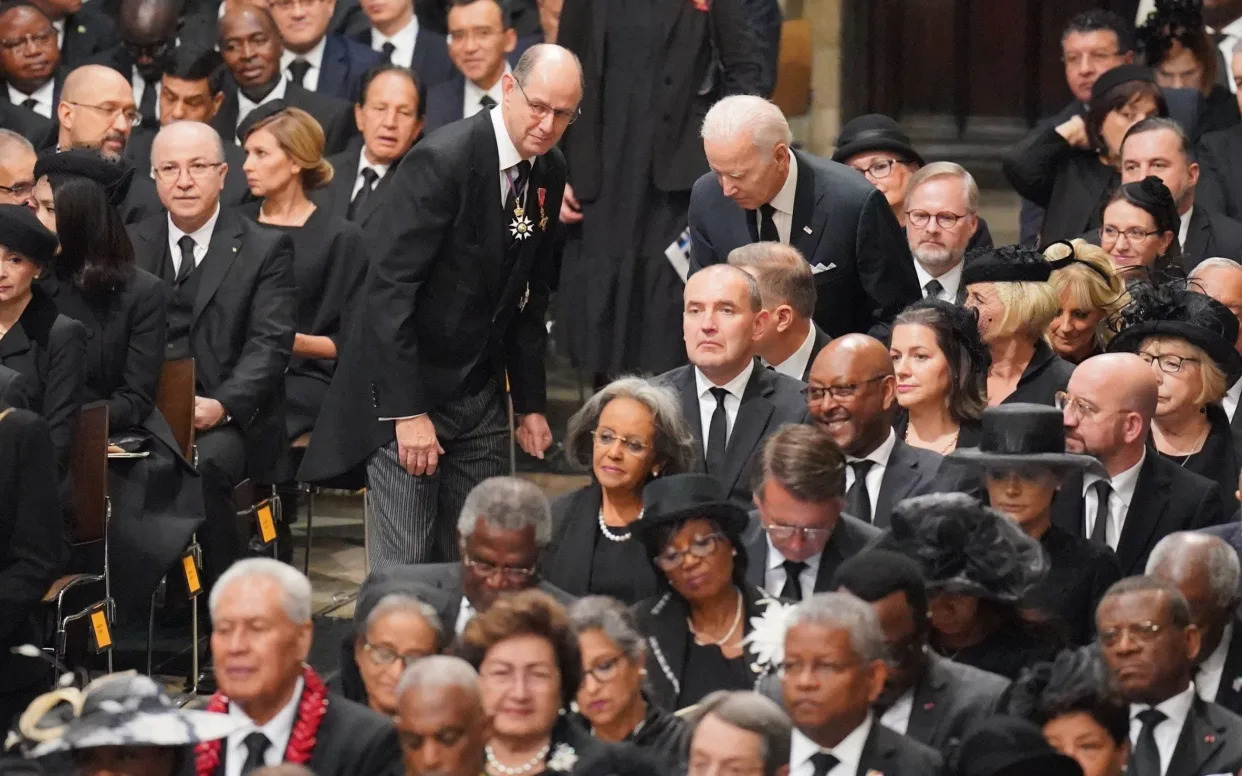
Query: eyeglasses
[
  {"x": 112, "y": 111},
  {"x": 606, "y": 439},
  {"x": 386, "y": 656},
  {"x": 170, "y": 172},
  {"x": 605, "y": 670},
  {"x": 542, "y": 110},
  {"x": 815, "y": 393},
  {"x": 700, "y": 547},
  {"x": 1134, "y": 235},
  {"x": 22, "y": 189},
  {"x": 783, "y": 533},
  {"x": 878, "y": 169},
  {"x": 945, "y": 220},
  {"x": 515, "y": 574},
  {"x": 1076, "y": 406},
  {"x": 1142, "y": 632},
  {"x": 38, "y": 39},
  {"x": 1167, "y": 363}
]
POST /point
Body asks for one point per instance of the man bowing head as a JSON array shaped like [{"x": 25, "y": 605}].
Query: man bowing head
[{"x": 453, "y": 314}]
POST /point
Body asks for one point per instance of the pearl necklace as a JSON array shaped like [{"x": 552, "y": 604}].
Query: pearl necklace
[
  {"x": 526, "y": 767},
  {"x": 607, "y": 532},
  {"x": 737, "y": 618}
]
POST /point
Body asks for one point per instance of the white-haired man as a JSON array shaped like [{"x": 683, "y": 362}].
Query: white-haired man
[
  {"x": 260, "y": 641},
  {"x": 440, "y": 715},
  {"x": 760, "y": 189}
]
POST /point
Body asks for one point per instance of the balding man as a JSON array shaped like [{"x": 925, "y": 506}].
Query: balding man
[
  {"x": 1206, "y": 570},
  {"x": 17, "y": 161},
  {"x": 462, "y": 262},
  {"x": 231, "y": 308},
  {"x": 852, "y": 394},
  {"x": 1221, "y": 279},
  {"x": 761, "y": 189},
  {"x": 730, "y": 401},
  {"x": 440, "y": 718},
  {"x": 148, "y": 34},
  {"x": 1108, "y": 407},
  {"x": 791, "y": 340}
]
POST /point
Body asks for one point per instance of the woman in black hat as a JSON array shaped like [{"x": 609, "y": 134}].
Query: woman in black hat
[
  {"x": 1188, "y": 338},
  {"x": 1022, "y": 455},
  {"x": 1081, "y": 716},
  {"x": 979, "y": 566},
  {"x": 1139, "y": 227},
  {"x": 1067, "y": 169},
  {"x": 1008, "y": 289},
  {"x": 1008, "y": 746},
  {"x": 697, "y": 626}
]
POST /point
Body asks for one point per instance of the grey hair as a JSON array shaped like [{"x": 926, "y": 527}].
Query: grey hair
[
  {"x": 947, "y": 170},
  {"x": 1211, "y": 553},
  {"x": 9, "y": 139},
  {"x": 219, "y": 144},
  {"x": 435, "y": 671},
  {"x": 612, "y": 618},
  {"x": 674, "y": 443},
  {"x": 295, "y": 587},
  {"x": 1217, "y": 262},
  {"x": 405, "y": 603},
  {"x": 507, "y": 503},
  {"x": 745, "y": 115},
  {"x": 754, "y": 713},
  {"x": 845, "y": 612}
]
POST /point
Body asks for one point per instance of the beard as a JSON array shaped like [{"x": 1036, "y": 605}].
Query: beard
[{"x": 936, "y": 259}]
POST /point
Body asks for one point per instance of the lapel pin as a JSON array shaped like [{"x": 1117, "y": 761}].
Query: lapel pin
[
  {"x": 806, "y": 229},
  {"x": 1237, "y": 684},
  {"x": 234, "y": 249},
  {"x": 81, "y": 30},
  {"x": 1209, "y": 739},
  {"x": 929, "y": 706}
]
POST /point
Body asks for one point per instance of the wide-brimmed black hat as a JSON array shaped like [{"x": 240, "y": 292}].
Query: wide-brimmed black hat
[
  {"x": 965, "y": 547},
  {"x": 1009, "y": 746},
  {"x": 259, "y": 114},
  {"x": 113, "y": 174},
  {"x": 1019, "y": 433},
  {"x": 680, "y": 497},
  {"x": 20, "y": 231},
  {"x": 1120, "y": 75},
  {"x": 1006, "y": 264},
  {"x": 874, "y": 132},
  {"x": 1173, "y": 310}
]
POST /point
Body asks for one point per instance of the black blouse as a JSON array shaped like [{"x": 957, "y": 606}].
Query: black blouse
[
  {"x": 581, "y": 561},
  {"x": 1045, "y": 375},
  {"x": 1005, "y": 652},
  {"x": 1079, "y": 573},
  {"x": 1217, "y": 459}
]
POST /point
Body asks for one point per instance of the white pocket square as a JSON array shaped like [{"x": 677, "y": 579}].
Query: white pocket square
[{"x": 818, "y": 267}]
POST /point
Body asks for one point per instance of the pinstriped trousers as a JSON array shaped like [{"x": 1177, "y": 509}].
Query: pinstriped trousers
[{"x": 414, "y": 519}]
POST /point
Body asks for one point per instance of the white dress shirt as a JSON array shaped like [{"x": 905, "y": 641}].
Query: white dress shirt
[
  {"x": 1230, "y": 400},
  {"x": 507, "y": 153},
  {"x": 473, "y": 93},
  {"x": 795, "y": 365},
  {"x": 1184, "y": 229},
  {"x": 897, "y": 718},
  {"x": 1207, "y": 678},
  {"x": 314, "y": 57},
  {"x": 463, "y": 615},
  {"x": 380, "y": 170},
  {"x": 140, "y": 89},
  {"x": 43, "y": 97},
  {"x": 59, "y": 26},
  {"x": 402, "y": 40},
  {"x": 1176, "y": 709},
  {"x": 732, "y": 400},
  {"x": 201, "y": 237},
  {"x": 783, "y": 204},
  {"x": 774, "y": 577},
  {"x": 848, "y": 752},
  {"x": 1119, "y": 499},
  {"x": 950, "y": 281},
  {"x": 278, "y": 730},
  {"x": 875, "y": 476},
  {"x": 244, "y": 105}
]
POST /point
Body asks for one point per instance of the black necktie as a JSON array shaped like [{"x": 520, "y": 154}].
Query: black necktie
[
  {"x": 792, "y": 590},
  {"x": 256, "y": 746},
  {"x": 386, "y": 52},
  {"x": 487, "y": 102},
  {"x": 30, "y": 103},
  {"x": 823, "y": 762},
  {"x": 298, "y": 69},
  {"x": 369, "y": 177},
  {"x": 767, "y": 227},
  {"x": 147, "y": 106},
  {"x": 1102, "y": 490},
  {"x": 717, "y": 433},
  {"x": 932, "y": 289},
  {"x": 858, "y": 498},
  {"x": 1145, "y": 761},
  {"x": 186, "y": 243}
]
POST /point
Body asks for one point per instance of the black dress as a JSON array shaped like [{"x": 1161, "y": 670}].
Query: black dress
[
  {"x": 708, "y": 670},
  {"x": 664, "y": 735},
  {"x": 1005, "y": 652},
  {"x": 968, "y": 433},
  {"x": 581, "y": 561},
  {"x": 1079, "y": 574},
  {"x": 1045, "y": 375},
  {"x": 1069, "y": 183},
  {"x": 1217, "y": 459}
]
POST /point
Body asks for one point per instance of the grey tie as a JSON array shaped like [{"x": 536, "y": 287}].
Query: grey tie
[
  {"x": 487, "y": 102},
  {"x": 932, "y": 289},
  {"x": 1146, "y": 758},
  {"x": 298, "y": 69},
  {"x": 823, "y": 762},
  {"x": 257, "y": 745},
  {"x": 1102, "y": 490}
]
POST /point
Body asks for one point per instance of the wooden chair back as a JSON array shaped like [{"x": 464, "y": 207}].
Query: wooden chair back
[
  {"x": 175, "y": 400},
  {"x": 89, "y": 467}
]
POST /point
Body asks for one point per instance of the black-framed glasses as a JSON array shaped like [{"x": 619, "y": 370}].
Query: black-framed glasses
[
  {"x": 37, "y": 39},
  {"x": 1134, "y": 235},
  {"x": 515, "y": 574},
  {"x": 20, "y": 190},
  {"x": 542, "y": 110},
  {"x": 171, "y": 171},
  {"x": 944, "y": 219},
  {"x": 604, "y": 670},
  {"x": 1166, "y": 362},
  {"x": 381, "y": 655},
  {"x": 699, "y": 547},
  {"x": 880, "y": 168},
  {"x": 815, "y": 393},
  {"x": 1143, "y": 632},
  {"x": 784, "y": 533},
  {"x": 607, "y": 439},
  {"x": 131, "y": 114}
]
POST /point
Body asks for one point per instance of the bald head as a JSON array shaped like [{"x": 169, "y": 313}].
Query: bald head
[
  {"x": 96, "y": 109},
  {"x": 853, "y": 378},
  {"x": 1132, "y": 383},
  {"x": 87, "y": 80},
  {"x": 179, "y": 133},
  {"x": 1112, "y": 401},
  {"x": 549, "y": 76}
]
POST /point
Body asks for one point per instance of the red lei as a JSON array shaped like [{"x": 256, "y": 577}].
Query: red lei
[{"x": 311, "y": 708}]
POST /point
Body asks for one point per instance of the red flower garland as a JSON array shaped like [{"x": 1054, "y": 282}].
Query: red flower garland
[{"x": 311, "y": 708}]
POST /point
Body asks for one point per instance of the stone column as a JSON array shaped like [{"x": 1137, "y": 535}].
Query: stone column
[{"x": 825, "y": 118}]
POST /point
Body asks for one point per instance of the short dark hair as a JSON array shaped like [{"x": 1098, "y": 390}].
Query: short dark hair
[
  {"x": 506, "y": 10},
  {"x": 194, "y": 63},
  {"x": 803, "y": 460},
  {"x": 1157, "y": 123},
  {"x": 1117, "y": 98},
  {"x": 95, "y": 251},
  {"x": 1166, "y": 219},
  {"x": 387, "y": 67},
  {"x": 1098, "y": 19},
  {"x": 877, "y": 573},
  {"x": 1179, "y": 610}
]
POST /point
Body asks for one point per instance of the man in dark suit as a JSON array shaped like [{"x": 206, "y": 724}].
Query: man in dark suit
[
  {"x": 797, "y": 538},
  {"x": 397, "y": 36},
  {"x": 791, "y": 339},
  {"x": 926, "y": 697},
  {"x": 314, "y": 59},
  {"x": 1112, "y": 399},
  {"x": 37, "y": 131},
  {"x": 840, "y": 223},
  {"x": 148, "y": 34},
  {"x": 263, "y": 676},
  {"x": 942, "y": 226},
  {"x": 739, "y": 731},
  {"x": 31, "y": 72},
  {"x": 250, "y": 45},
  {"x": 480, "y": 35},
  {"x": 231, "y": 307},
  {"x": 730, "y": 401},
  {"x": 82, "y": 31},
  {"x": 834, "y": 726},
  {"x": 389, "y": 115},
  {"x": 1150, "y": 645},
  {"x": 17, "y": 161},
  {"x": 852, "y": 396},
  {"x": 1221, "y": 279},
  {"x": 456, "y": 298}
]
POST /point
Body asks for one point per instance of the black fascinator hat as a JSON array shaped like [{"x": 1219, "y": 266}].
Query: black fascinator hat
[
  {"x": 1152, "y": 195},
  {"x": 964, "y": 547},
  {"x": 257, "y": 116},
  {"x": 1076, "y": 681},
  {"x": 1006, "y": 264},
  {"x": 113, "y": 174},
  {"x": 1173, "y": 310}
]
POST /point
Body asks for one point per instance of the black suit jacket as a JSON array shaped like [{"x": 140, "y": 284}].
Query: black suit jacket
[
  {"x": 447, "y": 577},
  {"x": 1211, "y": 234},
  {"x": 335, "y": 115},
  {"x": 1229, "y": 692},
  {"x": 15, "y": 389},
  {"x": 443, "y": 300},
  {"x": 86, "y": 35},
  {"x": 336, "y": 196},
  {"x": 848, "y": 539},
  {"x": 58, "y": 80},
  {"x": 950, "y": 697},
  {"x": 1068, "y": 183},
  {"x": 1220, "y": 185},
  {"x": 430, "y": 60},
  {"x": 1211, "y": 742},
  {"x": 39, "y": 131},
  {"x": 770, "y": 400},
  {"x": 891, "y": 753},
  {"x": 913, "y": 471},
  {"x": 841, "y": 224},
  {"x": 344, "y": 64},
  {"x": 241, "y": 335},
  {"x": 444, "y": 103},
  {"x": 568, "y": 561},
  {"x": 142, "y": 201},
  {"x": 821, "y": 339},
  {"x": 1167, "y": 498},
  {"x": 236, "y": 192}
]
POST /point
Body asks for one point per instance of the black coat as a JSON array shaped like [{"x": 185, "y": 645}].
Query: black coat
[
  {"x": 15, "y": 388},
  {"x": 335, "y": 115},
  {"x": 141, "y": 202},
  {"x": 821, "y": 340},
  {"x": 770, "y": 400},
  {"x": 842, "y": 224},
  {"x": 1080, "y": 572},
  {"x": 849, "y": 538},
  {"x": 241, "y": 336},
  {"x": 430, "y": 60},
  {"x": 344, "y": 64},
  {"x": 568, "y": 561},
  {"x": 889, "y": 752},
  {"x": 336, "y": 196},
  {"x": 1211, "y": 742},
  {"x": 86, "y": 35},
  {"x": 948, "y": 699},
  {"x": 1069, "y": 183},
  {"x": 445, "y": 102},
  {"x": 1044, "y": 376},
  {"x": 1220, "y": 184},
  {"x": 1229, "y": 692},
  {"x": 442, "y": 300},
  {"x": 39, "y": 131},
  {"x": 1217, "y": 458},
  {"x": 1211, "y": 234},
  {"x": 1166, "y": 499},
  {"x": 914, "y": 471},
  {"x": 138, "y": 154}
]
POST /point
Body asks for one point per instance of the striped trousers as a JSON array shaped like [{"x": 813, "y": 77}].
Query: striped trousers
[{"x": 414, "y": 519}]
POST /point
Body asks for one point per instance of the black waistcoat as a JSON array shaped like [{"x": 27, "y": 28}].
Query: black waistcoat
[{"x": 180, "y": 306}]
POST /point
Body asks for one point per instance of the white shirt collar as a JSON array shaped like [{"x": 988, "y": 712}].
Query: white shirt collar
[
  {"x": 244, "y": 105},
  {"x": 784, "y": 199},
  {"x": 776, "y": 558},
  {"x": 402, "y": 38},
  {"x": 848, "y": 752},
  {"x": 278, "y": 729},
  {"x": 380, "y": 169},
  {"x": 474, "y": 93},
  {"x": 43, "y": 94},
  {"x": 795, "y": 365},
  {"x": 507, "y": 152},
  {"x": 201, "y": 236},
  {"x": 1211, "y": 670},
  {"x": 1231, "y": 399},
  {"x": 736, "y": 386},
  {"x": 1123, "y": 484},
  {"x": 1184, "y": 229},
  {"x": 881, "y": 454},
  {"x": 463, "y": 615},
  {"x": 951, "y": 280},
  {"x": 314, "y": 56}
]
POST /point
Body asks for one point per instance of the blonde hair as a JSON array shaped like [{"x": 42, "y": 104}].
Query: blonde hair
[
  {"x": 1213, "y": 384},
  {"x": 301, "y": 137},
  {"x": 1095, "y": 284},
  {"x": 1029, "y": 305}
]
